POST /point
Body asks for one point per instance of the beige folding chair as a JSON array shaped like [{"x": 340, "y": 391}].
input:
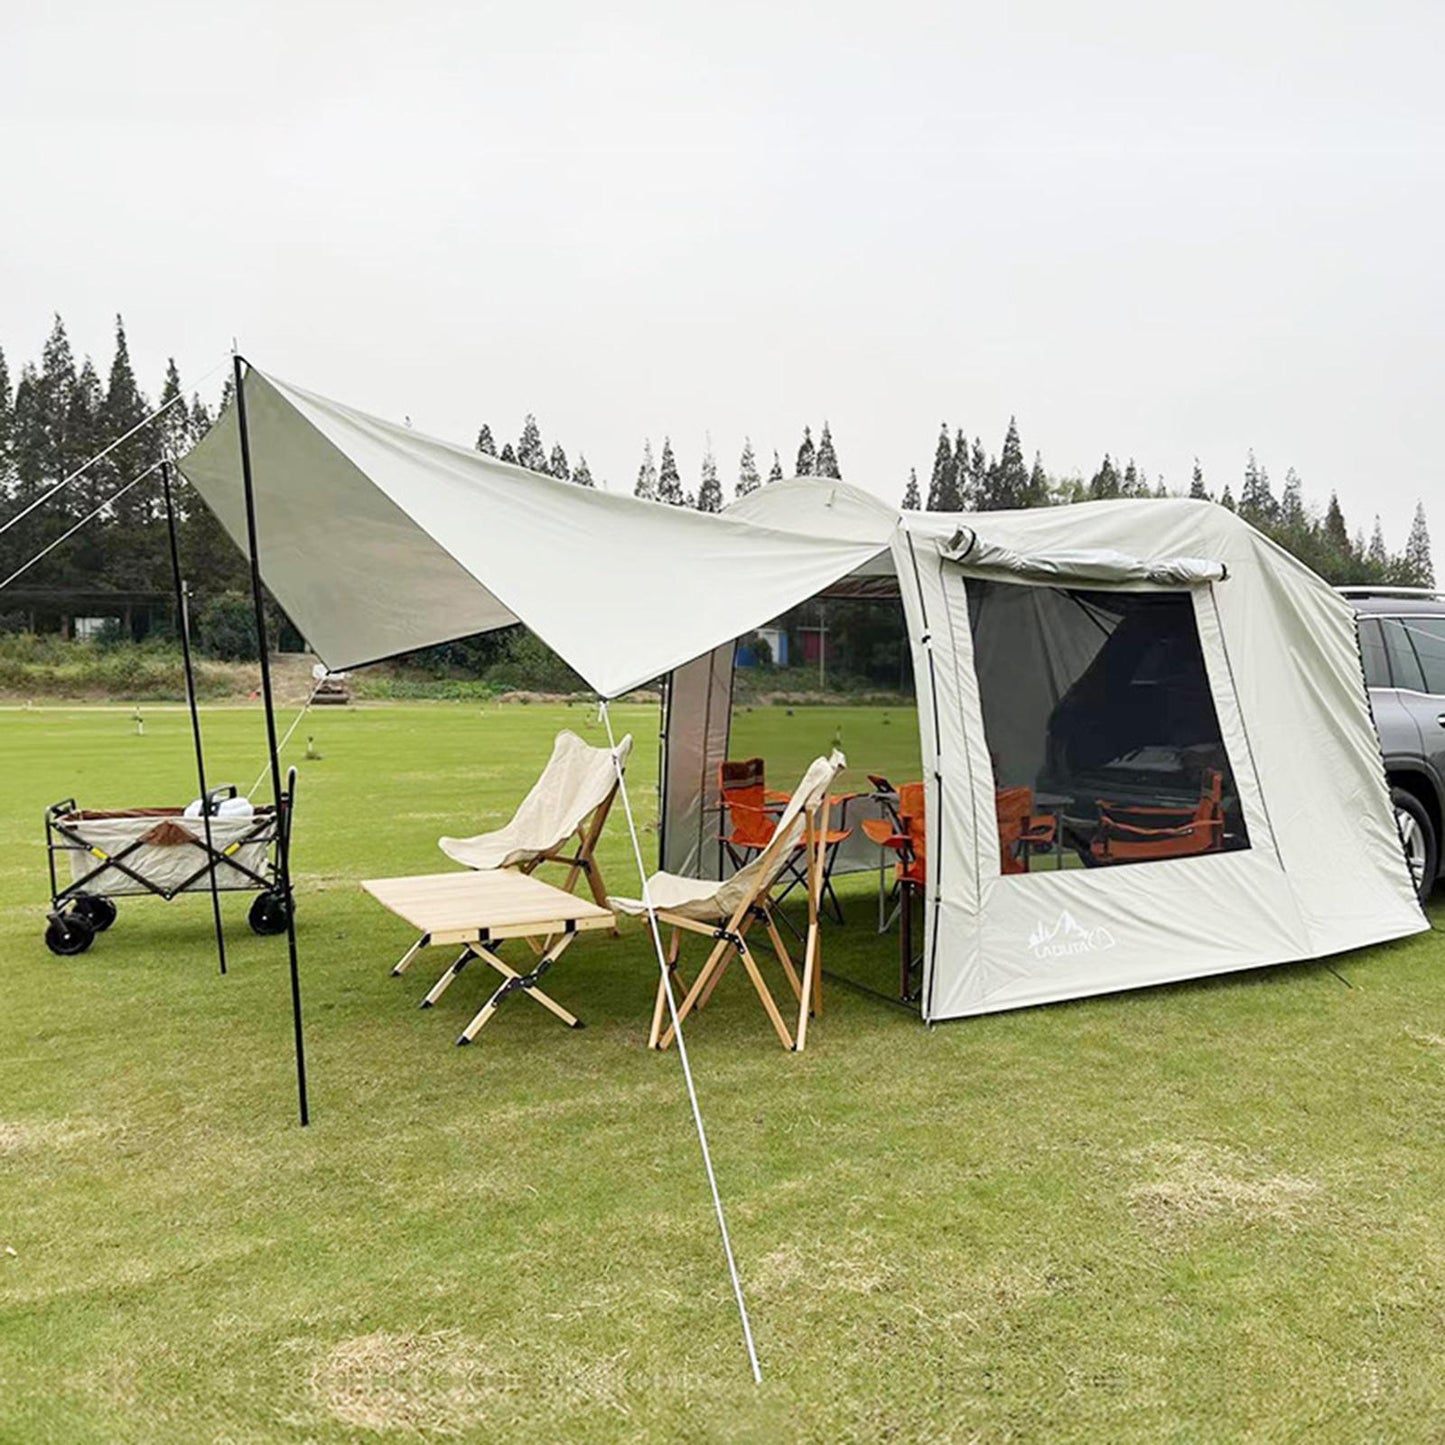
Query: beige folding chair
[
  {"x": 559, "y": 821},
  {"x": 726, "y": 911}
]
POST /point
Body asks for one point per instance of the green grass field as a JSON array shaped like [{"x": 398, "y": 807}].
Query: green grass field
[{"x": 1214, "y": 1211}]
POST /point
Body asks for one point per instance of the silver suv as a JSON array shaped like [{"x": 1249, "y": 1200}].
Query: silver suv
[{"x": 1402, "y": 644}]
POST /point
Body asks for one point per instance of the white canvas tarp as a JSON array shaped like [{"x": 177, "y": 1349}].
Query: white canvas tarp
[{"x": 377, "y": 539}]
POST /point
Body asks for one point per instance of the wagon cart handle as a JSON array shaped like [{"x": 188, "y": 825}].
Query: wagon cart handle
[
  {"x": 288, "y": 806},
  {"x": 217, "y": 796},
  {"x": 55, "y": 810}
]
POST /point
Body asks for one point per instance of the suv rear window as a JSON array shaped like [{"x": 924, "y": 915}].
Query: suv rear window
[
  {"x": 1427, "y": 636},
  {"x": 1372, "y": 650},
  {"x": 1404, "y": 665}
]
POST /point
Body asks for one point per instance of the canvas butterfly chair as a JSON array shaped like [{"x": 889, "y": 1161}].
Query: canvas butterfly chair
[
  {"x": 726, "y": 911},
  {"x": 558, "y": 822}
]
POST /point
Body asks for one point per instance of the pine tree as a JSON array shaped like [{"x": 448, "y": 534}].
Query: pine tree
[
  {"x": 44, "y": 451},
  {"x": 1377, "y": 556},
  {"x": 530, "y": 451},
  {"x": 1038, "y": 489},
  {"x": 1132, "y": 484},
  {"x": 124, "y": 408},
  {"x": 1291, "y": 503},
  {"x": 485, "y": 444},
  {"x": 776, "y": 475},
  {"x": 582, "y": 473},
  {"x": 1256, "y": 499},
  {"x": 669, "y": 481},
  {"x": 966, "y": 486},
  {"x": 748, "y": 478},
  {"x": 1104, "y": 484},
  {"x": 910, "y": 492},
  {"x": 709, "y": 493},
  {"x": 1006, "y": 484},
  {"x": 646, "y": 487},
  {"x": 1419, "y": 566},
  {"x": 7, "y": 430},
  {"x": 943, "y": 488},
  {"x": 86, "y": 428},
  {"x": 826, "y": 464},
  {"x": 557, "y": 464},
  {"x": 977, "y": 470},
  {"x": 1197, "y": 488},
  {"x": 1226, "y": 498},
  {"x": 807, "y": 455},
  {"x": 174, "y": 426},
  {"x": 508, "y": 455},
  {"x": 1337, "y": 536}
]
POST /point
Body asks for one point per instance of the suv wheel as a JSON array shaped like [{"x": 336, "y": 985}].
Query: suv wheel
[{"x": 1418, "y": 836}]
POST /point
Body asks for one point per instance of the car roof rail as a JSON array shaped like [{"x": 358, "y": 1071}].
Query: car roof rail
[{"x": 1366, "y": 590}]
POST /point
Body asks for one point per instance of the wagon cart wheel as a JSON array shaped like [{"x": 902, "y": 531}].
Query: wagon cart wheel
[
  {"x": 68, "y": 935},
  {"x": 269, "y": 914},
  {"x": 93, "y": 909}
]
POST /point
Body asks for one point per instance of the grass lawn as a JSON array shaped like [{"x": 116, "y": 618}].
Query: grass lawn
[{"x": 1213, "y": 1211}]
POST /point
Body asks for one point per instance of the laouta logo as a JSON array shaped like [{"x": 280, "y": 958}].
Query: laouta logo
[{"x": 1068, "y": 937}]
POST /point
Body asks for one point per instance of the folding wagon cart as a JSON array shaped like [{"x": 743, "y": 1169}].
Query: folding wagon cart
[{"x": 164, "y": 852}]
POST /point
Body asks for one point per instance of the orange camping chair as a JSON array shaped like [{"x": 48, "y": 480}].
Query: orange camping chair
[
  {"x": 746, "y": 801},
  {"x": 905, "y": 833},
  {"x": 1019, "y": 830},
  {"x": 1129, "y": 833},
  {"x": 752, "y": 810}
]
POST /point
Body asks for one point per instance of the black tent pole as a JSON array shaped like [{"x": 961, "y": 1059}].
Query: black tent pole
[
  {"x": 283, "y": 823},
  {"x": 183, "y": 624}
]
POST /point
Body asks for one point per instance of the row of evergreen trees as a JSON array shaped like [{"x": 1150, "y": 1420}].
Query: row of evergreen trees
[
  {"x": 965, "y": 478},
  {"x": 54, "y": 418},
  {"x": 58, "y": 413}
]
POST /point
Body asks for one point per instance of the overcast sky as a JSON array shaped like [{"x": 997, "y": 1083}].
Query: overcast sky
[{"x": 1150, "y": 229}]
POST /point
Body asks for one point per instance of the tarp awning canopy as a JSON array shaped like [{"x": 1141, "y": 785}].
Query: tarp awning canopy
[{"x": 377, "y": 540}]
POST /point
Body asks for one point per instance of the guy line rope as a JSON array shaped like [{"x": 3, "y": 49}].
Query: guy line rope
[{"x": 717, "y": 1204}]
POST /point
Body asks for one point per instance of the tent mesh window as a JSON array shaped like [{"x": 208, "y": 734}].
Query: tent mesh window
[{"x": 1101, "y": 728}]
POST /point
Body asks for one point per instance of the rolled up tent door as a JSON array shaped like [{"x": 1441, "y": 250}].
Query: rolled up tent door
[{"x": 1078, "y": 565}]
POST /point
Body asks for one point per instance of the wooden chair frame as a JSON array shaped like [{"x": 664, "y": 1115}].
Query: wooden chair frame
[
  {"x": 582, "y": 863},
  {"x": 731, "y": 938}
]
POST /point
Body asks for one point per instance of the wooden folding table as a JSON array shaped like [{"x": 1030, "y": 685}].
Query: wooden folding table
[{"x": 481, "y": 911}]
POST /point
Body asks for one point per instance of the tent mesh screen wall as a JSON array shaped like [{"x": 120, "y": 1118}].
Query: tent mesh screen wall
[{"x": 1101, "y": 724}]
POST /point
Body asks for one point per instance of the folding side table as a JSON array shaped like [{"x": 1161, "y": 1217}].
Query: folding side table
[{"x": 481, "y": 911}]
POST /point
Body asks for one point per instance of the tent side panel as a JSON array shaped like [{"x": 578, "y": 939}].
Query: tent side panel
[
  {"x": 695, "y": 741},
  {"x": 955, "y": 770}
]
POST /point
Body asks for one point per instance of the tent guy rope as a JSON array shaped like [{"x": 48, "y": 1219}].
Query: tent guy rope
[
  {"x": 281, "y": 746},
  {"x": 722, "y": 1223},
  {"x": 89, "y": 517}
]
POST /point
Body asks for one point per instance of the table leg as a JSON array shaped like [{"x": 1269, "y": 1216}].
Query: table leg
[{"x": 444, "y": 982}]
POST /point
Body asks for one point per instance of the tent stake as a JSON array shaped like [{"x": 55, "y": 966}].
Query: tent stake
[
  {"x": 283, "y": 824},
  {"x": 183, "y": 623}
]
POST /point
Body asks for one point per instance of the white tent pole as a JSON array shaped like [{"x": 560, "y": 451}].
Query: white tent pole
[
  {"x": 89, "y": 517},
  {"x": 101, "y": 455},
  {"x": 717, "y": 1204}
]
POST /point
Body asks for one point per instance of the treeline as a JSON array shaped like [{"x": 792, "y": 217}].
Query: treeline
[
  {"x": 965, "y": 478},
  {"x": 55, "y": 416},
  {"x": 57, "y": 413}
]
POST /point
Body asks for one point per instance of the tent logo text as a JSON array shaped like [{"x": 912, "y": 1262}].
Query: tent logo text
[{"x": 1068, "y": 937}]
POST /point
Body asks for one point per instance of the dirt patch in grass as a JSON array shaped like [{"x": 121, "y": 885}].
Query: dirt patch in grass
[
  {"x": 19, "y": 1135},
  {"x": 446, "y": 1383},
  {"x": 1195, "y": 1183}
]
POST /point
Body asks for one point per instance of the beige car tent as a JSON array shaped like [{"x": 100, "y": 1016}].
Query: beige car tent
[{"x": 1107, "y": 658}]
